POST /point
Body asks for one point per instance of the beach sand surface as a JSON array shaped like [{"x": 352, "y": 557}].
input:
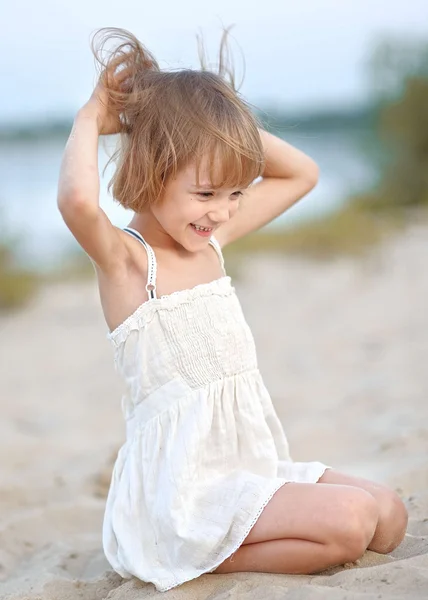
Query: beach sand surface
[{"x": 343, "y": 348}]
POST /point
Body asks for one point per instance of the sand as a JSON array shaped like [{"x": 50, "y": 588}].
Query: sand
[{"x": 343, "y": 348}]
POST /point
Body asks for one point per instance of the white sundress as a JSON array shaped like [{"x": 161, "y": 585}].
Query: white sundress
[{"x": 205, "y": 450}]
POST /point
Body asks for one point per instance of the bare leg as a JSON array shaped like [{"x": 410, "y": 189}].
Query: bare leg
[
  {"x": 393, "y": 516},
  {"x": 306, "y": 528}
]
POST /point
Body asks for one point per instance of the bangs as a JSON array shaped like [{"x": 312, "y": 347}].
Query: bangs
[
  {"x": 229, "y": 161},
  {"x": 226, "y": 167}
]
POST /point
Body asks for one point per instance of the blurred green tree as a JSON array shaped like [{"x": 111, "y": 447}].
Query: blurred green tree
[
  {"x": 391, "y": 63},
  {"x": 17, "y": 285},
  {"x": 398, "y": 74}
]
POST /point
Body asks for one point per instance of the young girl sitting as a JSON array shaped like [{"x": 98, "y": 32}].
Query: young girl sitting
[{"x": 199, "y": 485}]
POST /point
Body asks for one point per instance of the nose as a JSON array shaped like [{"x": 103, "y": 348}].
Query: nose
[{"x": 220, "y": 214}]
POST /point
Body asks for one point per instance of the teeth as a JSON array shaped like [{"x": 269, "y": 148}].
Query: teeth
[{"x": 202, "y": 228}]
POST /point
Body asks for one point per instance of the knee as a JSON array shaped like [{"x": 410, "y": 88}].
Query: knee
[
  {"x": 393, "y": 519},
  {"x": 358, "y": 523}
]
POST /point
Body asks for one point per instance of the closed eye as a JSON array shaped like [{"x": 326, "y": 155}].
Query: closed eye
[{"x": 210, "y": 194}]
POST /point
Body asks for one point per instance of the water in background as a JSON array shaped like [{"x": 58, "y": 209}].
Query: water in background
[{"x": 29, "y": 175}]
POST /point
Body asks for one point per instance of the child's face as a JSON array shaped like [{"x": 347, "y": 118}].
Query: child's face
[{"x": 185, "y": 204}]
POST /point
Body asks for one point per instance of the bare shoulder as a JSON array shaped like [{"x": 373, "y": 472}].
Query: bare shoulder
[{"x": 123, "y": 289}]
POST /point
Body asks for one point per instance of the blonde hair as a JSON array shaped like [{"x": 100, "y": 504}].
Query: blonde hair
[{"x": 170, "y": 119}]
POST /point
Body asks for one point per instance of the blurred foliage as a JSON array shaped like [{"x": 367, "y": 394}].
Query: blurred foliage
[
  {"x": 31, "y": 131},
  {"x": 76, "y": 267},
  {"x": 349, "y": 120},
  {"x": 17, "y": 286},
  {"x": 398, "y": 74},
  {"x": 398, "y": 71},
  {"x": 351, "y": 231},
  {"x": 392, "y": 63},
  {"x": 404, "y": 128}
]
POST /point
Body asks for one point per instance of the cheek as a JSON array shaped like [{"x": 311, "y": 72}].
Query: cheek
[
  {"x": 234, "y": 208},
  {"x": 193, "y": 211},
  {"x": 176, "y": 214},
  {"x": 171, "y": 213}
]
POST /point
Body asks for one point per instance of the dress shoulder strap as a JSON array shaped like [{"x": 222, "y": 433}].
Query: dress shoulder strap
[
  {"x": 215, "y": 244},
  {"x": 151, "y": 260}
]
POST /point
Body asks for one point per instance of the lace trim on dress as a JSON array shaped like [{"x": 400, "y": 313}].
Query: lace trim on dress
[
  {"x": 145, "y": 312},
  {"x": 281, "y": 481},
  {"x": 236, "y": 545}
]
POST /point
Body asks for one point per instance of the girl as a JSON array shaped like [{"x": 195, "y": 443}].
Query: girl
[{"x": 199, "y": 485}]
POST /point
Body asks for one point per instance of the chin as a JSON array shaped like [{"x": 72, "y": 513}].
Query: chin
[
  {"x": 196, "y": 246},
  {"x": 192, "y": 242}
]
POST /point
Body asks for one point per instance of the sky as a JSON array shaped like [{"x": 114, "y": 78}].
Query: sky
[{"x": 299, "y": 55}]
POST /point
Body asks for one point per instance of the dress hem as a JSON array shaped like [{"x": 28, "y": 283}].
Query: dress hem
[{"x": 258, "y": 512}]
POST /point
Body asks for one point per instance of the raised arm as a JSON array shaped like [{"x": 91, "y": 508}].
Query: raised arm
[
  {"x": 78, "y": 189},
  {"x": 289, "y": 175}
]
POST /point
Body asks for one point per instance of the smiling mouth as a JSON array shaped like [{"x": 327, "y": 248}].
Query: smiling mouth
[{"x": 199, "y": 228}]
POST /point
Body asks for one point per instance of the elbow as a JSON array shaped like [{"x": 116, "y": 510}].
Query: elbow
[
  {"x": 312, "y": 174},
  {"x": 73, "y": 204}
]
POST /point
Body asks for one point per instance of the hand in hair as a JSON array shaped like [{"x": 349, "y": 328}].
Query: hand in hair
[
  {"x": 113, "y": 99},
  {"x": 101, "y": 101}
]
